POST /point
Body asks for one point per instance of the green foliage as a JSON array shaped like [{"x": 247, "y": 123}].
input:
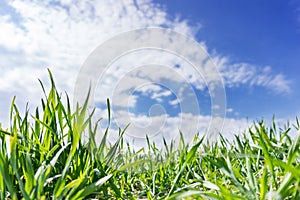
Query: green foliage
[{"x": 47, "y": 159}]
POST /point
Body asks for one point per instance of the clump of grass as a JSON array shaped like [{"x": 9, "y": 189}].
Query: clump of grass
[{"x": 46, "y": 159}]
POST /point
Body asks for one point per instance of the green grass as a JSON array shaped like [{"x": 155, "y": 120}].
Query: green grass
[{"x": 42, "y": 156}]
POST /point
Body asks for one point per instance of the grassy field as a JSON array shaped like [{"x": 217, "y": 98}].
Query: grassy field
[{"x": 42, "y": 156}]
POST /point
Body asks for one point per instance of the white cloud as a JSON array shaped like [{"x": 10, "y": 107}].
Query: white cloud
[
  {"x": 247, "y": 74},
  {"x": 159, "y": 127},
  {"x": 229, "y": 110},
  {"x": 174, "y": 102},
  {"x": 61, "y": 37},
  {"x": 150, "y": 72},
  {"x": 158, "y": 96}
]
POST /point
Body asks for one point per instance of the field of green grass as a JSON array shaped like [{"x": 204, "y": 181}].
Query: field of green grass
[{"x": 42, "y": 156}]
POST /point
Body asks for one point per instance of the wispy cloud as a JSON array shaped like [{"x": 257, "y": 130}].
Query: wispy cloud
[{"x": 247, "y": 74}]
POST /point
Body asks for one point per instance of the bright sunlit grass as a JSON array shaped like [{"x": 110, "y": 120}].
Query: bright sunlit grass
[{"x": 47, "y": 159}]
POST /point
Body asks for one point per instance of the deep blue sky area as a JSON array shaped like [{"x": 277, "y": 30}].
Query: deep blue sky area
[
  {"x": 262, "y": 33},
  {"x": 245, "y": 30}
]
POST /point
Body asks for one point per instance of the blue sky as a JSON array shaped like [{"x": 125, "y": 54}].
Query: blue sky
[
  {"x": 255, "y": 46},
  {"x": 263, "y": 33}
]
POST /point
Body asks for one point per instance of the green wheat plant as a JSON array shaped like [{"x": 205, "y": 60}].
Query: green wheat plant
[{"x": 43, "y": 156}]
